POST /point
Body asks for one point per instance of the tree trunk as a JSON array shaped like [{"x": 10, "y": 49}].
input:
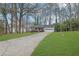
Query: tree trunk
[
  {"x": 26, "y": 22},
  {"x": 50, "y": 17},
  {"x": 11, "y": 23},
  {"x": 6, "y": 24},
  {"x": 16, "y": 17},
  {"x": 20, "y": 24}
]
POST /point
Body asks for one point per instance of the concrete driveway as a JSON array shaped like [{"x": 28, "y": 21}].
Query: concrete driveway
[{"x": 23, "y": 46}]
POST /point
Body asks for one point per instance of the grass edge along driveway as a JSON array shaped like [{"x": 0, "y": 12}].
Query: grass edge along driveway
[
  {"x": 14, "y": 36},
  {"x": 59, "y": 44}
]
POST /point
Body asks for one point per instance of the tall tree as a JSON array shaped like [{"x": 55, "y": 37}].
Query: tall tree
[
  {"x": 70, "y": 14},
  {"x": 4, "y": 13}
]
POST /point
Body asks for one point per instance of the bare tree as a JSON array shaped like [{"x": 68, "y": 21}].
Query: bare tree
[{"x": 4, "y": 13}]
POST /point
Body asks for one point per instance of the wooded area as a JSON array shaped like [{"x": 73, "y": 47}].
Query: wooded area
[{"x": 19, "y": 17}]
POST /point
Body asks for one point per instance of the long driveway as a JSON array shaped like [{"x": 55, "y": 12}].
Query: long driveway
[{"x": 23, "y": 46}]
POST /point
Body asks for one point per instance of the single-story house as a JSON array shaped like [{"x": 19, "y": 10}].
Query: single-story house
[
  {"x": 42, "y": 28},
  {"x": 37, "y": 28}
]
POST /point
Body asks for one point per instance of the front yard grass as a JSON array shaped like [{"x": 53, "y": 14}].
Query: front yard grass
[
  {"x": 15, "y": 35},
  {"x": 59, "y": 44}
]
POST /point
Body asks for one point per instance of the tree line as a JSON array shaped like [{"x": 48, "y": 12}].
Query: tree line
[
  {"x": 15, "y": 17},
  {"x": 69, "y": 18}
]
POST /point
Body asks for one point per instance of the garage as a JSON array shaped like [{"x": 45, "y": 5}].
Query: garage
[{"x": 48, "y": 29}]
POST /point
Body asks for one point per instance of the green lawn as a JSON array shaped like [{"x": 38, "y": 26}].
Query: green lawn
[
  {"x": 15, "y": 35},
  {"x": 59, "y": 44}
]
